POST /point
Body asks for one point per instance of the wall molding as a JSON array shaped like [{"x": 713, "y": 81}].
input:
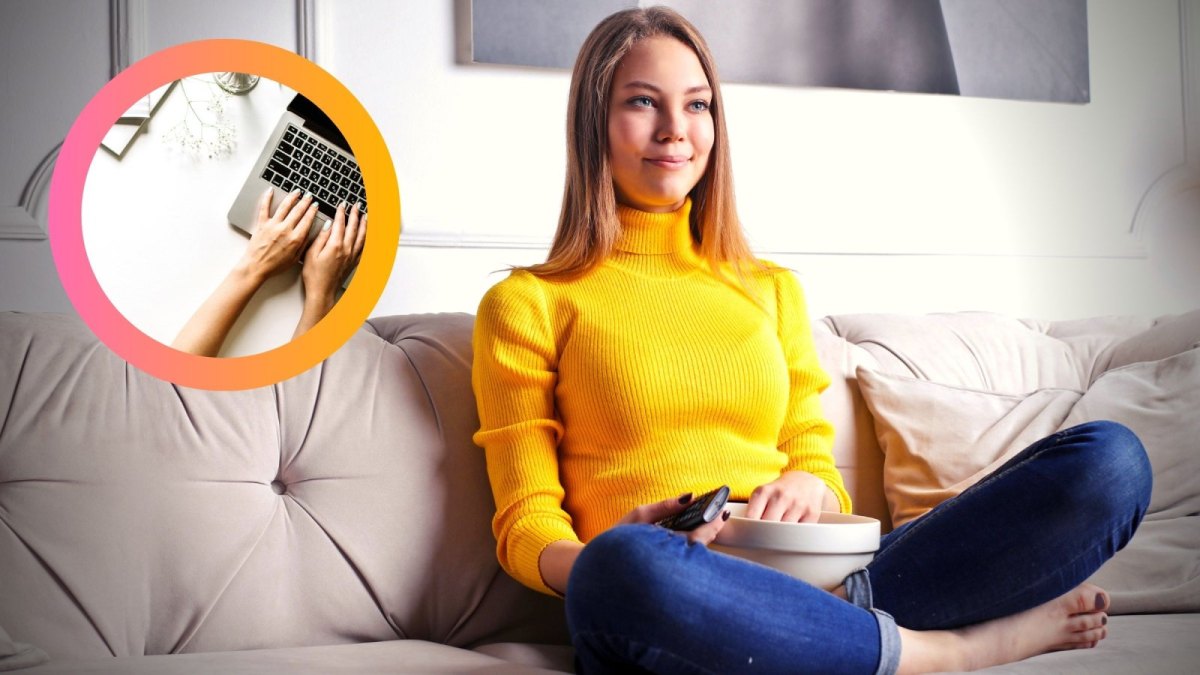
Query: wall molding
[
  {"x": 126, "y": 44},
  {"x": 1179, "y": 178},
  {"x": 118, "y": 40},
  {"x": 127, "y": 33},
  {"x": 1189, "y": 34},
  {"x": 306, "y": 29},
  {"x": 17, "y": 223},
  {"x": 22, "y": 221},
  {"x": 428, "y": 238},
  {"x": 433, "y": 239}
]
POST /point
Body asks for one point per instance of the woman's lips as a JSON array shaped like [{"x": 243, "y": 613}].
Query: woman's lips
[{"x": 668, "y": 161}]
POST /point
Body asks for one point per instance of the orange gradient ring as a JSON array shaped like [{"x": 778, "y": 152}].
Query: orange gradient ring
[{"x": 66, "y": 197}]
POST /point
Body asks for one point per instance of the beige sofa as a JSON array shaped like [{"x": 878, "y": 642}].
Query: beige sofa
[{"x": 339, "y": 521}]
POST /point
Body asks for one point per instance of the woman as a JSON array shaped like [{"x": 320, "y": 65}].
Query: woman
[
  {"x": 277, "y": 244},
  {"x": 652, "y": 355}
]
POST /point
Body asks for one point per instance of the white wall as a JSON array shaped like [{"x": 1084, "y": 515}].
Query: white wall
[{"x": 881, "y": 201}]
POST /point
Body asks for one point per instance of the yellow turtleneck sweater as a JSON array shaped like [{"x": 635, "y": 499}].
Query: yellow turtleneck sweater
[{"x": 645, "y": 378}]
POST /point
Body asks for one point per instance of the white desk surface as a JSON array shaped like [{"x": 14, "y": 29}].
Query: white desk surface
[{"x": 156, "y": 232}]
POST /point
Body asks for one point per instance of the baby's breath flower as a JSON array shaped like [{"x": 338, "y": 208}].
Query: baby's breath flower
[{"x": 204, "y": 129}]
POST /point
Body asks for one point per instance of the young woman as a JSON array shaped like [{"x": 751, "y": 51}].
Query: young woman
[
  {"x": 277, "y": 244},
  {"x": 652, "y": 355}
]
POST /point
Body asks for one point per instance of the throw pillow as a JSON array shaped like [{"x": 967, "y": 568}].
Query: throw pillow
[
  {"x": 1159, "y": 571},
  {"x": 1169, "y": 335},
  {"x": 938, "y": 440}
]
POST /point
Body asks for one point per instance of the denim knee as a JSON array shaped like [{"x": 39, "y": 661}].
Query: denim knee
[
  {"x": 1113, "y": 476},
  {"x": 623, "y": 563}
]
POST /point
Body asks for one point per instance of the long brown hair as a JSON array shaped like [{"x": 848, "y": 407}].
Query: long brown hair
[{"x": 588, "y": 225}]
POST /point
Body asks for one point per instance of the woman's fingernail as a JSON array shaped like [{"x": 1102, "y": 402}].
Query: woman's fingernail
[
  {"x": 725, "y": 515},
  {"x": 685, "y": 498},
  {"x": 326, "y": 225},
  {"x": 343, "y": 205},
  {"x": 268, "y": 190},
  {"x": 1099, "y": 601},
  {"x": 1104, "y": 621},
  {"x": 308, "y": 195},
  {"x": 358, "y": 205}
]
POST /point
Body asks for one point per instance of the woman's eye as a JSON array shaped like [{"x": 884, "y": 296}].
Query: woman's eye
[
  {"x": 698, "y": 106},
  {"x": 641, "y": 102}
]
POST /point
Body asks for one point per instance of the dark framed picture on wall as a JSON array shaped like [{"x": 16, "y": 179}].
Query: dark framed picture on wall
[{"x": 1035, "y": 51}]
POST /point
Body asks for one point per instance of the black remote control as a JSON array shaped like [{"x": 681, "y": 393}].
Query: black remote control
[{"x": 703, "y": 509}]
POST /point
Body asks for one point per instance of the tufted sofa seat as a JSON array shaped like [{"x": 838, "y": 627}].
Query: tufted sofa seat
[
  {"x": 345, "y": 505},
  {"x": 340, "y": 520}
]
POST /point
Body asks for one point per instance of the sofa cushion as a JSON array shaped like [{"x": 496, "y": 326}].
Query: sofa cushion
[
  {"x": 939, "y": 440},
  {"x": 392, "y": 656},
  {"x": 975, "y": 350},
  {"x": 1159, "y": 400},
  {"x": 343, "y": 505},
  {"x": 980, "y": 350},
  {"x": 14, "y": 655},
  {"x": 550, "y": 657},
  {"x": 1142, "y": 645},
  {"x": 1169, "y": 335}
]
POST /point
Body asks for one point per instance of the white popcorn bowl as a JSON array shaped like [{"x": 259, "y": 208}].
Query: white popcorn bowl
[{"x": 821, "y": 553}]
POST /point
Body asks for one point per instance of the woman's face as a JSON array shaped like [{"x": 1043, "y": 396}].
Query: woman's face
[{"x": 660, "y": 129}]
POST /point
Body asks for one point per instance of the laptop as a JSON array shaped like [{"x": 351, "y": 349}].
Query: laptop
[{"x": 304, "y": 152}]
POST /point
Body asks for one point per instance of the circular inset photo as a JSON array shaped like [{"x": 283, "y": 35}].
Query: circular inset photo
[{"x": 222, "y": 236}]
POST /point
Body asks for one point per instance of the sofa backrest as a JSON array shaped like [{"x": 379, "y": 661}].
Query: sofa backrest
[
  {"x": 346, "y": 504},
  {"x": 974, "y": 350}
]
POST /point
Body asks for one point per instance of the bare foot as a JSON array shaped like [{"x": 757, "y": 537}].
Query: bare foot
[{"x": 1075, "y": 620}]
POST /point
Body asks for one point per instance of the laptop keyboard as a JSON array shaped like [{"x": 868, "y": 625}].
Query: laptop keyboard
[{"x": 303, "y": 162}]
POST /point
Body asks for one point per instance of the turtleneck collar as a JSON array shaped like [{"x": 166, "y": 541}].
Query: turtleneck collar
[{"x": 656, "y": 233}]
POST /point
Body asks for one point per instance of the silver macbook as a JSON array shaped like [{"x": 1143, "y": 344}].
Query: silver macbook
[{"x": 304, "y": 152}]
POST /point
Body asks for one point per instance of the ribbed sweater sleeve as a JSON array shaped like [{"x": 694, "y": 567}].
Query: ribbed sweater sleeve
[
  {"x": 806, "y": 437},
  {"x": 514, "y": 375}
]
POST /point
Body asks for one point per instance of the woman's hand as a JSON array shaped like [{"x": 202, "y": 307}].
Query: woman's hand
[
  {"x": 558, "y": 558},
  {"x": 652, "y": 513},
  {"x": 278, "y": 239},
  {"x": 333, "y": 254},
  {"x": 274, "y": 246},
  {"x": 794, "y": 497}
]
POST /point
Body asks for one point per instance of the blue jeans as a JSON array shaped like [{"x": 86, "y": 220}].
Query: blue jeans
[{"x": 642, "y": 599}]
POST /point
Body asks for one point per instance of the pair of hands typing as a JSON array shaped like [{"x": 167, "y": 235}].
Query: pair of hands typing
[{"x": 278, "y": 242}]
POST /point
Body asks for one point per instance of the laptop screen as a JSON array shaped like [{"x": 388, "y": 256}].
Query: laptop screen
[{"x": 318, "y": 121}]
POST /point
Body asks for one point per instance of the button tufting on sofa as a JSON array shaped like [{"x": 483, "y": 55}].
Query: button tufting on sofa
[{"x": 278, "y": 487}]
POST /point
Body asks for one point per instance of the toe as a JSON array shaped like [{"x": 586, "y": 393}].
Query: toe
[
  {"x": 1084, "y": 622},
  {"x": 1091, "y": 636},
  {"x": 1086, "y": 598}
]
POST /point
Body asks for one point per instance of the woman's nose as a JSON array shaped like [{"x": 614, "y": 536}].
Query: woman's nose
[{"x": 672, "y": 127}]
